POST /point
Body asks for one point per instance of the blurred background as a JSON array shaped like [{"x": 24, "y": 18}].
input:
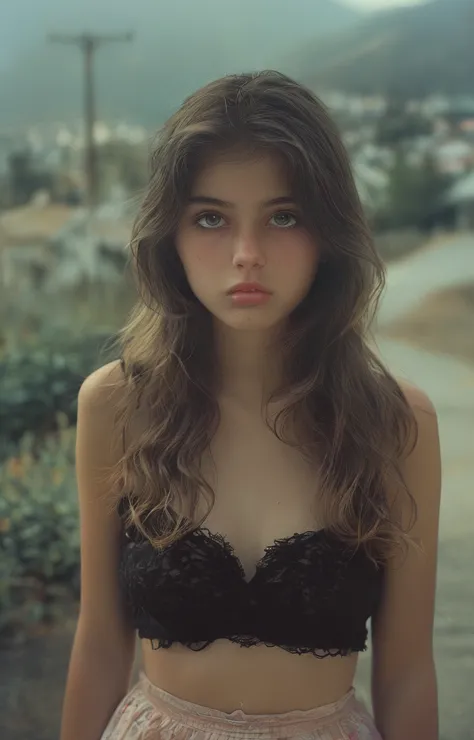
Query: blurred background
[{"x": 83, "y": 88}]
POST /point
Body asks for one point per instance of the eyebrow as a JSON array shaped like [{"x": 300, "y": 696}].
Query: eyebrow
[{"x": 210, "y": 201}]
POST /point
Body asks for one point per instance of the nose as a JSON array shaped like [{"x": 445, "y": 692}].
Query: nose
[{"x": 248, "y": 251}]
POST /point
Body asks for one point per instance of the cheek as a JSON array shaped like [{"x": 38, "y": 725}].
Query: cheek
[
  {"x": 300, "y": 259},
  {"x": 198, "y": 260}
]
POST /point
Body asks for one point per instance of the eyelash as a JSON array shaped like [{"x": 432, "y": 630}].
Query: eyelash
[{"x": 200, "y": 216}]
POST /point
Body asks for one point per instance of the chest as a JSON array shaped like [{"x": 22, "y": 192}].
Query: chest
[{"x": 264, "y": 489}]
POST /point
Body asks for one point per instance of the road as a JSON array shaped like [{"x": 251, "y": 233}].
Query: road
[
  {"x": 450, "y": 385},
  {"x": 448, "y": 263},
  {"x": 448, "y": 382}
]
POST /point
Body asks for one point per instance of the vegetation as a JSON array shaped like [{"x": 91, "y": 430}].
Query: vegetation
[
  {"x": 398, "y": 126},
  {"x": 24, "y": 180},
  {"x": 123, "y": 162},
  {"x": 36, "y": 386},
  {"x": 45, "y": 358},
  {"x": 415, "y": 195},
  {"x": 39, "y": 537}
]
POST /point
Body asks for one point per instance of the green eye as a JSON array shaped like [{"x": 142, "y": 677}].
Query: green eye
[
  {"x": 209, "y": 220},
  {"x": 284, "y": 220}
]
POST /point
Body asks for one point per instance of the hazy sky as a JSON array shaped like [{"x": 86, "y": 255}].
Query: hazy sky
[
  {"x": 23, "y": 20},
  {"x": 380, "y": 4}
]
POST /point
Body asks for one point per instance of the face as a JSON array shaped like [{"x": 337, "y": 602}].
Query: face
[{"x": 242, "y": 226}]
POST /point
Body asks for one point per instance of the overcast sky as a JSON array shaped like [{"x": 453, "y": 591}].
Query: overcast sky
[
  {"x": 380, "y": 4},
  {"x": 22, "y": 20}
]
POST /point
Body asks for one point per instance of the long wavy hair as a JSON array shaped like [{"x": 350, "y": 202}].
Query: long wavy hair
[{"x": 350, "y": 413}]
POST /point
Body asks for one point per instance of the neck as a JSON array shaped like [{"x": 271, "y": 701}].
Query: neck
[{"x": 249, "y": 364}]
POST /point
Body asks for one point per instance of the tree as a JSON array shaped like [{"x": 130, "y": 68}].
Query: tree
[
  {"x": 398, "y": 126},
  {"x": 125, "y": 163},
  {"x": 24, "y": 179},
  {"x": 414, "y": 196}
]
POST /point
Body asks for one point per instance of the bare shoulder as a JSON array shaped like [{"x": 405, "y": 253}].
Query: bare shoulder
[
  {"x": 101, "y": 396},
  {"x": 421, "y": 466},
  {"x": 102, "y": 387},
  {"x": 424, "y": 439},
  {"x": 98, "y": 399},
  {"x": 417, "y": 399}
]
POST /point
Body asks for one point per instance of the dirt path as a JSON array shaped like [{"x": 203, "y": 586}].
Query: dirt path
[{"x": 443, "y": 322}]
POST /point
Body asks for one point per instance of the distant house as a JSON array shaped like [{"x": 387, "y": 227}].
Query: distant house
[
  {"x": 461, "y": 199},
  {"x": 467, "y": 126},
  {"x": 455, "y": 157}
]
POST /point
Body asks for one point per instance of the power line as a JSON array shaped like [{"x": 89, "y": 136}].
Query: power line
[{"x": 88, "y": 44}]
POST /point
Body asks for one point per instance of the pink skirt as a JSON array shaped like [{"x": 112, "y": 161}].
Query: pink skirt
[{"x": 149, "y": 713}]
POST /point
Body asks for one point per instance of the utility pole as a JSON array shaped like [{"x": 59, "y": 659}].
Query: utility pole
[{"x": 88, "y": 44}]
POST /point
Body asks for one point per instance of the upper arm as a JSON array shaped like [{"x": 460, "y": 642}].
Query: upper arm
[
  {"x": 403, "y": 627},
  {"x": 98, "y": 449}
]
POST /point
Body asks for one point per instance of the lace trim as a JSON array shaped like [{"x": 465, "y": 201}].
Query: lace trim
[
  {"x": 270, "y": 550},
  {"x": 249, "y": 641}
]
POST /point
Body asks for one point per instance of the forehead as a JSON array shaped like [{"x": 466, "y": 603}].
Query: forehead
[{"x": 242, "y": 176}]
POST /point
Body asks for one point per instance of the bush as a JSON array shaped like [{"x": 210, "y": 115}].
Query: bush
[
  {"x": 39, "y": 530},
  {"x": 415, "y": 198},
  {"x": 36, "y": 386}
]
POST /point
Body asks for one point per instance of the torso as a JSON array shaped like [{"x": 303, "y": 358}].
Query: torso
[{"x": 264, "y": 491}]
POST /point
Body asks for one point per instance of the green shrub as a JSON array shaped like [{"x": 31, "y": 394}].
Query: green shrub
[
  {"x": 39, "y": 529},
  {"x": 35, "y": 386}
]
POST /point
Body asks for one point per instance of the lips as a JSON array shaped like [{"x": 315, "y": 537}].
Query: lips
[
  {"x": 248, "y": 288},
  {"x": 249, "y": 294}
]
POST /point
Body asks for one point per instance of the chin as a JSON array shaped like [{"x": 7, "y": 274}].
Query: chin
[{"x": 250, "y": 320}]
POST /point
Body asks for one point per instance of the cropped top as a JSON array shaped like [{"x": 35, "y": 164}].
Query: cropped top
[{"x": 311, "y": 593}]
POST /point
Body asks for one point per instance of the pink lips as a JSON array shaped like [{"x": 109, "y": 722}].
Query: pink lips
[{"x": 249, "y": 294}]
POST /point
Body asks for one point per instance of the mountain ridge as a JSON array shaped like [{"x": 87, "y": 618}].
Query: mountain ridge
[{"x": 404, "y": 52}]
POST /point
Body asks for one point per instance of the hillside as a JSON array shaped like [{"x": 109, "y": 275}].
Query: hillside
[
  {"x": 177, "y": 47},
  {"x": 409, "y": 52}
]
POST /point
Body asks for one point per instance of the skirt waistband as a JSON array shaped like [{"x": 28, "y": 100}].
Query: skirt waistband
[{"x": 199, "y": 716}]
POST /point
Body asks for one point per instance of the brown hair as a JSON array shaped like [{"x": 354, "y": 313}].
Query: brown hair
[{"x": 350, "y": 412}]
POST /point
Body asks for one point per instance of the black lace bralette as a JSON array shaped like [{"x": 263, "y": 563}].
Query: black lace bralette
[{"x": 310, "y": 593}]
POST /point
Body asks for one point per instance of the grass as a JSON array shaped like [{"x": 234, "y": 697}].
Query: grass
[{"x": 38, "y": 318}]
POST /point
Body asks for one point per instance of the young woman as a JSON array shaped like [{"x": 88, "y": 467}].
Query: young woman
[{"x": 254, "y": 485}]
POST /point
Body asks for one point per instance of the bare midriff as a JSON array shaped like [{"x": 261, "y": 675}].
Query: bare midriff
[{"x": 257, "y": 680}]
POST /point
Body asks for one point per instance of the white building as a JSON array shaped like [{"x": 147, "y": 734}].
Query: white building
[
  {"x": 455, "y": 157},
  {"x": 461, "y": 197}
]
